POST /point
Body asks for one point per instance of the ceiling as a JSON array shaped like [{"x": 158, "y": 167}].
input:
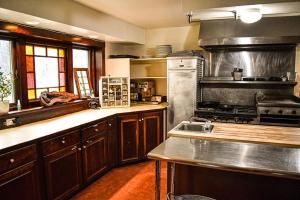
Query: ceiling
[{"x": 167, "y": 13}]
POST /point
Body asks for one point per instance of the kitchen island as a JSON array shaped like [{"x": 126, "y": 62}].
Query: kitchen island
[{"x": 246, "y": 168}]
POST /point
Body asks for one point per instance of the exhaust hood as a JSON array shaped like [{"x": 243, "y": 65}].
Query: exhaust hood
[{"x": 230, "y": 32}]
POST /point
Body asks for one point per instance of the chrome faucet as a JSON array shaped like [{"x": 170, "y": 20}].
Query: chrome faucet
[{"x": 199, "y": 119}]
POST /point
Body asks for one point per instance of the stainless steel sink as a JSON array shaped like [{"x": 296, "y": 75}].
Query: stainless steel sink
[{"x": 195, "y": 127}]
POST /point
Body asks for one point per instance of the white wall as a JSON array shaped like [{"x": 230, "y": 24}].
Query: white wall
[{"x": 181, "y": 38}]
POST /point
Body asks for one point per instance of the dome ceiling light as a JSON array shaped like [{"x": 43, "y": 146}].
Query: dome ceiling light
[{"x": 250, "y": 15}]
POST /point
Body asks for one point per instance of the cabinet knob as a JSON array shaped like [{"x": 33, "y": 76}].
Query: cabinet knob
[
  {"x": 11, "y": 160},
  {"x": 63, "y": 141},
  {"x": 74, "y": 148},
  {"x": 140, "y": 120},
  {"x": 83, "y": 147},
  {"x": 280, "y": 111},
  {"x": 96, "y": 130},
  {"x": 79, "y": 149},
  {"x": 109, "y": 124}
]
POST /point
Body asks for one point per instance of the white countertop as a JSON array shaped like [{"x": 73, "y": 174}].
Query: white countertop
[{"x": 18, "y": 135}]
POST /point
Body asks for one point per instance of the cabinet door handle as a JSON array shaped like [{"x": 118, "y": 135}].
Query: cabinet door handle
[
  {"x": 11, "y": 160},
  {"x": 74, "y": 148},
  {"x": 95, "y": 125}
]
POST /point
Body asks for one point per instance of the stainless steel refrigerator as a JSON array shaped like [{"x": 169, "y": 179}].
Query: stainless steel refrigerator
[{"x": 184, "y": 90}]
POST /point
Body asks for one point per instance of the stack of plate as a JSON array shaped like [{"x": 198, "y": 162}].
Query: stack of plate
[{"x": 162, "y": 51}]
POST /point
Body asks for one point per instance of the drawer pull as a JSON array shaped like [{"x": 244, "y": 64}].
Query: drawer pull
[
  {"x": 95, "y": 125},
  {"x": 79, "y": 149},
  {"x": 74, "y": 148},
  {"x": 109, "y": 124},
  {"x": 89, "y": 141},
  {"x": 181, "y": 65},
  {"x": 84, "y": 147},
  {"x": 142, "y": 119},
  {"x": 11, "y": 160},
  {"x": 96, "y": 130},
  {"x": 63, "y": 141}
]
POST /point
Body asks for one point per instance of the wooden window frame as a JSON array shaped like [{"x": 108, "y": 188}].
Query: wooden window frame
[{"x": 21, "y": 35}]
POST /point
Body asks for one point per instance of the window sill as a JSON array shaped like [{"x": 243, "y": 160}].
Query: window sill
[{"x": 31, "y": 115}]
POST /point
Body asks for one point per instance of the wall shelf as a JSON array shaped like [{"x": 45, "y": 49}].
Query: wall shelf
[{"x": 248, "y": 82}]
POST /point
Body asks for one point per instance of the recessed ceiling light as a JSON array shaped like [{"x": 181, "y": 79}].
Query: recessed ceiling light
[
  {"x": 93, "y": 36},
  {"x": 32, "y": 23}
]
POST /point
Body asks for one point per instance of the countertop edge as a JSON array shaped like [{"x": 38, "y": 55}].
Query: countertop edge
[{"x": 11, "y": 133}]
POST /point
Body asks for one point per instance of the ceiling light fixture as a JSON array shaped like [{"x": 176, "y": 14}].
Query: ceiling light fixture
[
  {"x": 32, "y": 23},
  {"x": 250, "y": 15}
]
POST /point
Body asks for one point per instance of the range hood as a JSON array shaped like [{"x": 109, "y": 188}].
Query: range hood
[{"x": 230, "y": 32}]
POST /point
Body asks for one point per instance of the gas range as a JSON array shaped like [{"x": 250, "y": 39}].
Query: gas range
[{"x": 229, "y": 114}]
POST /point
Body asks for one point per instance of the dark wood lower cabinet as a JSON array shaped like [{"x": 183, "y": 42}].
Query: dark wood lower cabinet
[
  {"x": 95, "y": 160},
  {"x": 71, "y": 160},
  {"x": 63, "y": 172},
  {"x": 20, "y": 183},
  {"x": 129, "y": 138},
  {"x": 152, "y": 131},
  {"x": 139, "y": 134}
]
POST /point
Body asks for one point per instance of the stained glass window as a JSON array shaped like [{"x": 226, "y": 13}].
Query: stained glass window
[
  {"x": 6, "y": 66},
  {"x": 46, "y": 70}
]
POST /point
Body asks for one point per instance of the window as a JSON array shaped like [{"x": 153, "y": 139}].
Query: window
[
  {"x": 6, "y": 65},
  {"x": 80, "y": 60},
  {"x": 46, "y": 70}
]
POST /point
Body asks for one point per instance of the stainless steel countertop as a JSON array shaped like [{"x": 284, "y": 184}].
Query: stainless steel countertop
[{"x": 234, "y": 156}]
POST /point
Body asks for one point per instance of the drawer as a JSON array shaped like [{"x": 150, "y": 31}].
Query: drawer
[
  {"x": 94, "y": 130},
  {"x": 17, "y": 158},
  {"x": 182, "y": 63},
  {"x": 61, "y": 142}
]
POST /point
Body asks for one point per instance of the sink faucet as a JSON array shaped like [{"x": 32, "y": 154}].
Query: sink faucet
[{"x": 199, "y": 119}]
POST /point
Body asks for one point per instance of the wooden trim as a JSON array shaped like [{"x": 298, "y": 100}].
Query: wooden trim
[
  {"x": 17, "y": 30},
  {"x": 136, "y": 137}
]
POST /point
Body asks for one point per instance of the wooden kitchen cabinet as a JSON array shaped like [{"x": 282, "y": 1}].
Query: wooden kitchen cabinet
[
  {"x": 139, "y": 134},
  {"x": 129, "y": 138},
  {"x": 95, "y": 150},
  {"x": 19, "y": 175},
  {"x": 63, "y": 166},
  {"x": 152, "y": 131}
]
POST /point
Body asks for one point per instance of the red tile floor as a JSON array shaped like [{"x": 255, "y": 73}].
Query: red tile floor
[{"x": 132, "y": 182}]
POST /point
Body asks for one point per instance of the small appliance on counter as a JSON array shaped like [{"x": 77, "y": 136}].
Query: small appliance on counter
[{"x": 143, "y": 91}]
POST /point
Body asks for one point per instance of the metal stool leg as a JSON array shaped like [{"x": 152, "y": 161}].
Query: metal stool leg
[
  {"x": 172, "y": 181},
  {"x": 157, "y": 179}
]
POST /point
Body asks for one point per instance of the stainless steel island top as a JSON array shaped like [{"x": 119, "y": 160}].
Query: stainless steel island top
[{"x": 245, "y": 157}]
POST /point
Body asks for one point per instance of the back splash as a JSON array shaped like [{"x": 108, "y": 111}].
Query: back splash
[{"x": 258, "y": 63}]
